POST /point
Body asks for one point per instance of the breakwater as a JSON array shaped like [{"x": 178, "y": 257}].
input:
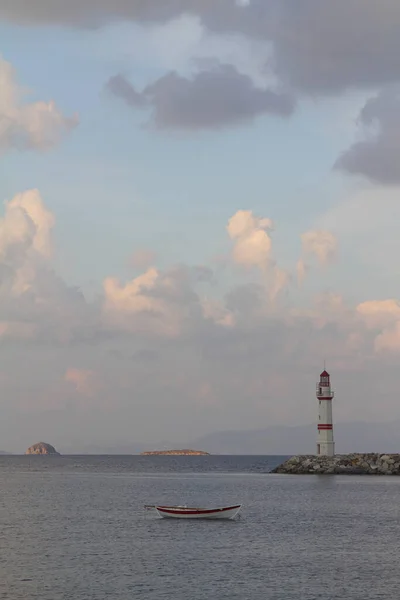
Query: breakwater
[{"x": 341, "y": 464}]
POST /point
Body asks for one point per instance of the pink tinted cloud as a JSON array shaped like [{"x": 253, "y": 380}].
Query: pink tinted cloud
[{"x": 84, "y": 381}]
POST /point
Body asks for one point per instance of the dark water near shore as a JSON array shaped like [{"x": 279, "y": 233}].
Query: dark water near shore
[{"x": 73, "y": 528}]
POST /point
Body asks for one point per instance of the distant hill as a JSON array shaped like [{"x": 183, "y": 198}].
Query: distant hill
[
  {"x": 277, "y": 440},
  {"x": 185, "y": 452},
  {"x": 280, "y": 440},
  {"x": 121, "y": 448}
]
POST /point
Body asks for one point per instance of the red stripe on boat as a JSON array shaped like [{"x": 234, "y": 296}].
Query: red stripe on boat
[
  {"x": 324, "y": 427},
  {"x": 195, "y": 512}
]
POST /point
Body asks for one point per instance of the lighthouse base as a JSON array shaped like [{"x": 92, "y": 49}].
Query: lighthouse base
[{"x": 325, "y": 448}]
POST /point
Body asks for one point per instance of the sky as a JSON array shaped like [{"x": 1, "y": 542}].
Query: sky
[{"x": 200, "y": 207}]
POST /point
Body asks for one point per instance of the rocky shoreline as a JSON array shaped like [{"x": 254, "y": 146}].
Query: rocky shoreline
[{"x": 341, "y": 464}]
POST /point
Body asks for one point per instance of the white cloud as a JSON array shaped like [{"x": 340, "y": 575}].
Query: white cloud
[
  {"x": 253, "y": 248},
  {"x": 252, "y": 243},
  {"x": 280, "y": 280},
  {"x": 379, "y": 313},
  {"x": 27, "y": 222},
  {"x": 383, "y": 318},
  {"x": 38, "y": 125},
  {"x": 173, "y": 334},
  {"x": 155, "y": 302},
  {"x": 320, "y": 243},
  {"x": 25, "y": 239},
  {"x": 389, "y": 339},
  {"x": 34, "y": 300}
]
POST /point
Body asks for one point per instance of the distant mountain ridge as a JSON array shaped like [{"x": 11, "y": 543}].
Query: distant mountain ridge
[
  {"x": 274, "y": 440},
  {"x": 279, "y": 440},
  {"x": 183, "y": 452}
]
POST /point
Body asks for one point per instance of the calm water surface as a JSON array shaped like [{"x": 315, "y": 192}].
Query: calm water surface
[{"x": 73, "y": 528}]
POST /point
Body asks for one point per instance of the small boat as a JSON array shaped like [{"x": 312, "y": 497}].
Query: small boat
[{"x": 186, "y": 512}]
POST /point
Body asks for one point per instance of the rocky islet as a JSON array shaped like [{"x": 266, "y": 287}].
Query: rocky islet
[{"x": 42, "y": 448}]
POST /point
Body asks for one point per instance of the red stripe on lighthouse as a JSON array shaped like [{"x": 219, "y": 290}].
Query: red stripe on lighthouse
[{"x": 325, "y": 427}]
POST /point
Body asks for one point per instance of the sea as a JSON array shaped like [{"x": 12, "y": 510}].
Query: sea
[{"x": 74, "y": 528}]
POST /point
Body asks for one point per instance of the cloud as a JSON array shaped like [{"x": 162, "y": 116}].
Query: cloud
[
  {"x": 25, "y": 240},
  {"x": 156, "y": 302},
  {"x": 35, "y": 126},
  {"x": 121, "y": 88},
  {"x": 37, "y": 305},
  {"x": 252, "y": 242},
  {"x": 26, "y": 223},
  {"x": 322, "y": 244},
  {"x": 389, "y": 339},
  {"x": 366, "y": 223},
  {"x": 162, "y": 303},
  {"x": 215, "y": 311},
  {"x": 301, "y": 271},
  {"x": 318, "y": 46},
  {"x": 313, "y": 48},
  {"x": 327, "y": 47},
  {"x": 253, "y": 248},
  {"x": 383, "y": 318},
  {"x": 212, "y": 99},
  {"x": 185, "y": 45},
  {"x": 325, "y": 309},
  {"x": 17, "y": 330},
  {"x": 379, "y": 313},
  {"x": 34, "y": 301},
  {"x": 179, "y": 339},
  {"x": 167, "y": 304},
  {"x": 91, "y": 13},
  {"x": 376, "y": 156},
  {"x": 84, "y": 381},
  {"x": 279, "y": 282}
]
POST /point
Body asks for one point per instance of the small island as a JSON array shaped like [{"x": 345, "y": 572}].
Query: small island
[
  {"x": 175, "y": 453},
  {"x": 341, "y": 464},
  {"x": 42, "y": 448}
]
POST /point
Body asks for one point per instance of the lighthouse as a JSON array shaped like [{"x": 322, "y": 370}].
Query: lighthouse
[{"x": 325, "y": 443}]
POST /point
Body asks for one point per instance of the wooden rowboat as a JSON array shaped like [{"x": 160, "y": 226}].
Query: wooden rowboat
[{"x": 186, "y": 512}]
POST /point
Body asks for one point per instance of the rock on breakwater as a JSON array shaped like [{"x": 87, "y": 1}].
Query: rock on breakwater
[{"x": 341, "y": 464}]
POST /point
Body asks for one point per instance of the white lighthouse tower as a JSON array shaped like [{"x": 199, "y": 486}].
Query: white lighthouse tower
[{"x": 325, "y": 443}]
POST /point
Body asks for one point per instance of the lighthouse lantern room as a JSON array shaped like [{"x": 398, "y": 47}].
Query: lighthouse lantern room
[{"x": 325, "y": 443}]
